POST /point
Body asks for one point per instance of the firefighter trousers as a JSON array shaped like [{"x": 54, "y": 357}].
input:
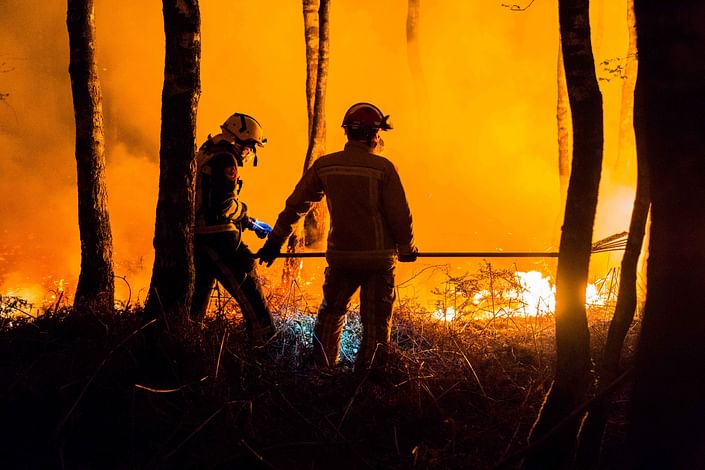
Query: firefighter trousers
[
  {"x": 377, "y": 296},
  {"x": 222, "y": 257}
]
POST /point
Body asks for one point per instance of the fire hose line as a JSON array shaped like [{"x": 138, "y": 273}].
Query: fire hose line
[
  {"x": 461, "y": 254},
  {"x": 447, "y": 254}
]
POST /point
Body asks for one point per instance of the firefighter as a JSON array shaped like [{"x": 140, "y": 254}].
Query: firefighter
[
  {"x": 370, "y": 228},
  {"x": 220, "y": 217}
]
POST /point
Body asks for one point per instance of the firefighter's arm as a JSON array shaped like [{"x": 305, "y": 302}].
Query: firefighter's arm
[
  {"x": 398, "y": 216},
  {"x": 308, "y": 191}
]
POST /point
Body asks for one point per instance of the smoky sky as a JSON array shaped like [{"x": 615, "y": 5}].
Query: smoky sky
[{"x": 476, "y": 149}]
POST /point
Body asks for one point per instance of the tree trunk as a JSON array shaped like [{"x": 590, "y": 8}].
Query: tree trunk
[
  {"x": 667, "y": 410},
  {"x": 626, "y": 142},
  {"x": 314, "y": 222},
  {"x": 563, "y": 121},
  {"x": 593, "y": 428},
  {"x": 413, "y": 51},
  {"x": 572, "y": 377},
  {"x": 311, "y": 33},
  {"x": 316, "y": 34},
  {"x": 96, "y": 286},
  {"x": 171, "y": 286}
]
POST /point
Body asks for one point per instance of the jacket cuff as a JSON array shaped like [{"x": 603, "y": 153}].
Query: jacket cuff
[{"x": 407, "y": 248}]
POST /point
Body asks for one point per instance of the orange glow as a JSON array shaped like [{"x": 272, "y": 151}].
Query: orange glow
[
  {"x": 534, "y": 296},
  {"x": 477, "y": 152}
]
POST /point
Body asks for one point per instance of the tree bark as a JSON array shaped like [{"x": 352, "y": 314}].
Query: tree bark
[
  {"x": 171, "y": 286},
  {"x": 592, "y": 432},
  {"x": 563, "y": 122},
  {"x": 572, "y": 376},
  {"x": 316, "y": 34},
  {"x": 667, "y": 410},
  {"x": 314, "y": 222},
  {"x": 311, "y": 33},
  {"x": 95, "y": 289},
  {"x": 626, "y": 143},
  {"x": 413, "y": 51}
]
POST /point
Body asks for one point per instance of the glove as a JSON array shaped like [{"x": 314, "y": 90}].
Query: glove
[
  {"x": 269, "y": 251},
  {"x": 410, "y": 256},
  {"x": 260, "y": 228}
]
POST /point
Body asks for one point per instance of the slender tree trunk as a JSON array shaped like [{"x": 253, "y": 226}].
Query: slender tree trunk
[
  {"x": 171, "y": 287},
  {"x": 316, "y": 34},
  {"x": 413, "y": 51},
  {"x": 311, "y": 34},
  {"x": 314, "y": 222},
  {"x": 572, "y": 377},
  {"x": 667, "y": 410},
  {"x": 593, "y": 428},
  {"x": 626, "y": 143},
  {"x": 563, "y": 121},
  {"x": 95, "y": 289}
]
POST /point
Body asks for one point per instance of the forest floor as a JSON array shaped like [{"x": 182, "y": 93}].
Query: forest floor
[{"x": 116, "y": 391}]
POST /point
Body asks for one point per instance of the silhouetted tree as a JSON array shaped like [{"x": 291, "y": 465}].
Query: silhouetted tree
[
  {"x": 667, "y": 410},
  {"x": 626, "y": 110},
  {"x": 316, "y": 35},
  {"x": 413, "y": 51},
  {"x": 572, "y": 375},
  {"x": 592, "y": 431},
  {"x": 563, "y": 122},
  {"x": 96, "y": 284},
  {"x": 314, "y": 222},
  {"x": 171, "y": 286}
]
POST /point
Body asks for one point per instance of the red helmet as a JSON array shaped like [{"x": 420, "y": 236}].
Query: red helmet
[{"x": 366, "y": 116}]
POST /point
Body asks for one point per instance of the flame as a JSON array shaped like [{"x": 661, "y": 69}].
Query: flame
[
  {"x": 534, "y": 296},
  {"x": 447, "y": 314}
]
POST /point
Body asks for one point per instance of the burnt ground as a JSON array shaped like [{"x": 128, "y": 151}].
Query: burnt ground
[{"x": 117, "y": 392}]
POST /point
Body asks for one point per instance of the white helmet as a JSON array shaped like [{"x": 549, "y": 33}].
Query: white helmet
[{"x": 244, "y": 130}]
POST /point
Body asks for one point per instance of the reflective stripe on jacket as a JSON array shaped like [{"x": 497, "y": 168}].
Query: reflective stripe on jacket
[{"x": 369, "y": 212}]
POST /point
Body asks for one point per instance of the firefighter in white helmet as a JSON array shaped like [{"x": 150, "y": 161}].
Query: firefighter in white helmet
[
  {"x": 370, "y": 228},
  {"x": 220, "y": 217}
]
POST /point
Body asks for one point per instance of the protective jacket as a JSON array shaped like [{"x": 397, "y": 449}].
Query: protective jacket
[
  {"x": 219, "y": 253},
  {"x": 369, "y": 213},
  {"x": 217, "y": 206}
]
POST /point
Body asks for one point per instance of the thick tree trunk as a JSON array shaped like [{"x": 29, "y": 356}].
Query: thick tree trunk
[
  {"x": 95, "y": 289},
  {"x": 668, "y": 411},
  {"x": 593, "y": 428},
  {"x": 572, "y": 377},
  {"x": 171, "y": 287}
]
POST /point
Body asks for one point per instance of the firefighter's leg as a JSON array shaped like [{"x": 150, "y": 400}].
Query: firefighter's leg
[
  {"x": 376, "y": 301},
  {"x": 236, "y": 272},
  {"x": 203, "y": 284},
  {"x": 338, "y": 288}
]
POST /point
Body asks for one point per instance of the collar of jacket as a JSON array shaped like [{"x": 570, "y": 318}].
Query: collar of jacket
[{"x": 354, "y": 144}]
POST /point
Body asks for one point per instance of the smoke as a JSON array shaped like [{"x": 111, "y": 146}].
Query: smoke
[{"x": 476, "y": 150}]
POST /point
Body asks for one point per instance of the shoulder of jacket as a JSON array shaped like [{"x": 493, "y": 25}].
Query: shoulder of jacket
[
  {"x": 211, "y": 151},
  {"x": 327, "y": 159}
]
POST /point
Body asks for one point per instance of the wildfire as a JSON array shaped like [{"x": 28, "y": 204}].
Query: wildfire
[
  {"x": 531, "y": 294},
  {"x": 30, "y": 299}
]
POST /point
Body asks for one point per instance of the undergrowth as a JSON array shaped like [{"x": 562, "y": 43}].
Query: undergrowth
[{"x": 117, "y": 391}]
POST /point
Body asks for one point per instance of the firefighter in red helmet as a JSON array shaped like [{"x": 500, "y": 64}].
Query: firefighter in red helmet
[
  {"x": 220, "y": 217},
  {"x": 370, "y": 229}
]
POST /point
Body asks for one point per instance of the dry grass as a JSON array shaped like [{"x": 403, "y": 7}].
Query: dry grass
[{"x": 109, "y": 391}]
